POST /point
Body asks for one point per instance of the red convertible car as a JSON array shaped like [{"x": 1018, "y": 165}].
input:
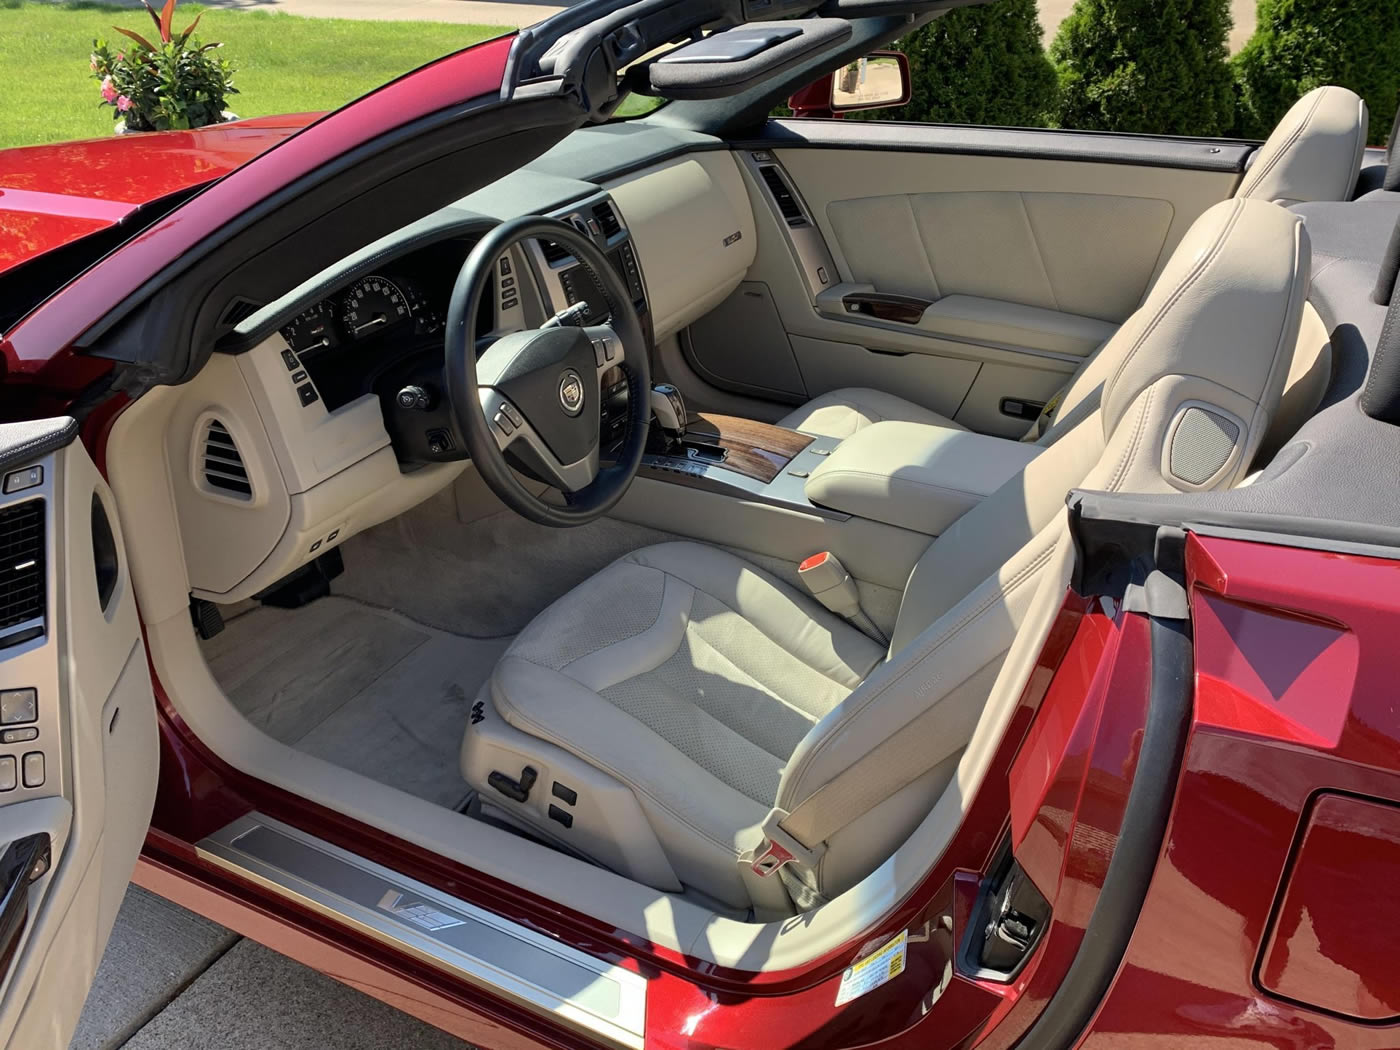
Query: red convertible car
[{"x": 710, "y": 580}]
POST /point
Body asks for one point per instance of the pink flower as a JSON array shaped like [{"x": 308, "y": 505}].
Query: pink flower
[
  {"x": 123, "y": 103},
  {"x": 108, "y": 91}
]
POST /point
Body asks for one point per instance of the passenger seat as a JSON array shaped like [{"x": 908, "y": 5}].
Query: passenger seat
[{"x": 1314, "y": 154}]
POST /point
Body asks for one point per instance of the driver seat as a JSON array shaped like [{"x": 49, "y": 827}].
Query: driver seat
[{"x": 675, "y": 714}]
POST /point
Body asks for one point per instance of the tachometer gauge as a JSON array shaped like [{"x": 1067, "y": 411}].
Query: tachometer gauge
[
  {"x": 373, "y": 304},
  {"x": 312, "y": 330}
]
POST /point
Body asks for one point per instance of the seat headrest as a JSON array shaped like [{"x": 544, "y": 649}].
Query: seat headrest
[
  {"x": 1315, "y": 152},
  {"x": 1224, "y": 314}
]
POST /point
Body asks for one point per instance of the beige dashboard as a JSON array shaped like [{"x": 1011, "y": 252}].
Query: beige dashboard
[{"x": 253, "y": 483}]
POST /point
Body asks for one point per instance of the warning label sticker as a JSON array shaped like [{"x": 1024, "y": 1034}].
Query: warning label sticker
[{"x": 874, "y": 970}]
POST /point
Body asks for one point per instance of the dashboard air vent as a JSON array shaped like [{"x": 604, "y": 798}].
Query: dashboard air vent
[
  {"x": 22, "y": 588},
  {"x": 783, "y": 195},
  {"x": 238, "y": 311},
  {"x": 607, "y": 219},
  {"x": 554, "y": 253},
  {"x": 223, "y": 464}
]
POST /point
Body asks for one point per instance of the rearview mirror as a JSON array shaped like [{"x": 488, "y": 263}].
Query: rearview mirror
[{"x": 880, "y": 80}]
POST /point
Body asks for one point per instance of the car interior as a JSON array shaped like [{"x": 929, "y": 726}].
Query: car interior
[{"x": 851, "y": 370}]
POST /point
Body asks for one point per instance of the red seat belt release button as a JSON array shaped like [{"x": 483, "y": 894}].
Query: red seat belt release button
[{"x": 829, "y": 583}]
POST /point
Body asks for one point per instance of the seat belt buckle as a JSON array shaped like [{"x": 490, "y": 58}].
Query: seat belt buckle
[
  {"x": 827, "y": 580},
  {"x": 779, "y": 848}
]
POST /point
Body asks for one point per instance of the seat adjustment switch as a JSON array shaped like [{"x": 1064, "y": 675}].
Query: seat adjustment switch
[{"x": 515, "y": 790}]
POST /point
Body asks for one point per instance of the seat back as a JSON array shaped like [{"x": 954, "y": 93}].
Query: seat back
[
  {"x": 1188, "y": 388},
  {"x": 1315, "y": 152}
]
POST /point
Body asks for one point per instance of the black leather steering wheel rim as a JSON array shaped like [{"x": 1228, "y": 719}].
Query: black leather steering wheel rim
[{"x": 465, "y": 392}]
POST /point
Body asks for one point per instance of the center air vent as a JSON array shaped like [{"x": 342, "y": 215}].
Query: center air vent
[
  {"x": 554, "y": 253},
  {"x": 607, "y": 219},
  {"x": 223, "y": 465},
  {"x": 783, "y": 196},
  {"x": 22, "y": 587}
]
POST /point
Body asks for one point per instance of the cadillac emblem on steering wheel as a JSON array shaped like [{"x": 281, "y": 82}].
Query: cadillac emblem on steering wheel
[{"x": 571, "y": 392}]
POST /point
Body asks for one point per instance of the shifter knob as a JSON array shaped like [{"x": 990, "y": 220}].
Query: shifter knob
[{"x": 668, "y": 407}]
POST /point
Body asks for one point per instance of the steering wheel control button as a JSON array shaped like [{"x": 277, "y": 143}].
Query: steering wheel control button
[
  {"x": 19, "y": 736},
  {"x": 33, "y": 769},
  {"x": 600, "y": 352},
  {"x": 571, "y": 392},
  {"x": 308, "y": 394},
  {"x": 18, "y": 706},
  {"x": 8, "y": 770},
  {"x": 507, "y": 427},
  {"x": 513, "y": 415}
]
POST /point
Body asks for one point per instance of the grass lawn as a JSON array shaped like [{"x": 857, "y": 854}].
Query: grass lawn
[{"x": 285, "y": 64}]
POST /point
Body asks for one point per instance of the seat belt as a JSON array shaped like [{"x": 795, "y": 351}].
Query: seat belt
[
  {"x": 801, "y": 834},
  {"x": 829, "y": 583}
]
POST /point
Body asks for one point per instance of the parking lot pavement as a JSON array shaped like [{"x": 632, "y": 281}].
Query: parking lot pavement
[{"x": 172, "y": 979}]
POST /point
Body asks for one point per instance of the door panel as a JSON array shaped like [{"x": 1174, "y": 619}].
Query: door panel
[
  {"x": 1022, "y": 251},
  {"x": 71, "y": 635}
]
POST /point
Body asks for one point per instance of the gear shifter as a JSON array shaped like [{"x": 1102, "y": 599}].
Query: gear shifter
[{"x": 668, "y": 409}]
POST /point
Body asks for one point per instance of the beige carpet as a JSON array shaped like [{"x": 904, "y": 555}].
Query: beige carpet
[{"x": 362, "y": 687}]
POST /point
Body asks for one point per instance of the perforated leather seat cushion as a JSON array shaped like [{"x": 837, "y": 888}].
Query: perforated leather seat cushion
[{"x": 690, "y": 675}]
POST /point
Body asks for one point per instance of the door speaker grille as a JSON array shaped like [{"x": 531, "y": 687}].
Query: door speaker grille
[
  {"x": 22, "y": 577},
  {"x": 223, "y": 464}
]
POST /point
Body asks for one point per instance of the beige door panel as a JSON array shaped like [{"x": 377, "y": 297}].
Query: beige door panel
[
  {"x": 1073, "y": 236},
  {"x": 936, "y": 382},
  {"x": 1029, "y": 265},
  {"x": 92, "y": 787}
]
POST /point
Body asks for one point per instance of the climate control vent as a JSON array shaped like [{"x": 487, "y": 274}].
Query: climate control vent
[
  {"x": 607, "y": 219},
  {"x": 554, "y": 253},
  {"x": 783, "y": 196},
  {"x": 223, "y": 467},
  {"x": 22, "y": 578}
]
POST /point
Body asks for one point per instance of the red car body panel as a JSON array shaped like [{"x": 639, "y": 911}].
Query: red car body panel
[
  {"x": 1296, "y": 671},
  {"x": 53, "y": 195}
]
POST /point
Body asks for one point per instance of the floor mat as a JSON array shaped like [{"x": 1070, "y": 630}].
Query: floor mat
[{"x": 362, "y": 687}]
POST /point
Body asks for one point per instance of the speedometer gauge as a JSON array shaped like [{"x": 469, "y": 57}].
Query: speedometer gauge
[{"x": 373, "y": 304}]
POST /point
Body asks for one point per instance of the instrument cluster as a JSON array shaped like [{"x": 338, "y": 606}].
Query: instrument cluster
[{"x": 374, "y": 305}]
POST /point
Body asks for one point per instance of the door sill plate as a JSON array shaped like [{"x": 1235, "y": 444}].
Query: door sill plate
[{"x": 500, "y": 956}]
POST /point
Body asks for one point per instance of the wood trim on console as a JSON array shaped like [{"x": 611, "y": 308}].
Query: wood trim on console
[{"x": 754, "y": 449}]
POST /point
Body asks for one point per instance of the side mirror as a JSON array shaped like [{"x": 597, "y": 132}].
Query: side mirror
[{"x": 880, "y": 80}]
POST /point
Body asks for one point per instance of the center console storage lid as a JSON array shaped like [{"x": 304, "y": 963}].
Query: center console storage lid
[
  {"x": 732, "y": 60},
  {"x": 914, "y": 475}
]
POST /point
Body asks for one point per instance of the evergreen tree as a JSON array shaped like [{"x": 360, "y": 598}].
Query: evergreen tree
[
  {"x": 1303, "y": 44},
  {"x": 979, "y": 65},
  {"x": 1153, "y": 66}
]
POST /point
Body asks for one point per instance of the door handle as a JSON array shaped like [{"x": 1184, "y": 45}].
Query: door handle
[
  {"x": 885, "y": 306},
  {"x": 23, "y": 861}
]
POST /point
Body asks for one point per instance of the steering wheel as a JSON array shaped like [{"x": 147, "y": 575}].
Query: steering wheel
[{"x": 535, "y": 397}]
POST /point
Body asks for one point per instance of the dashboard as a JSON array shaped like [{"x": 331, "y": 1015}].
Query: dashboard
[
  {"x": 345, "y": 341},
  {"x": 379, "y": 329}
]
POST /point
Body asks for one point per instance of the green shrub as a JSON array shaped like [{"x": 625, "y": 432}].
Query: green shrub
[
  {"x": 1154, "y": 66},
  {"x": 979, "y": 65},
  {"x": 173, "y": 82},
  {"x": 1303, "y": 44}
]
